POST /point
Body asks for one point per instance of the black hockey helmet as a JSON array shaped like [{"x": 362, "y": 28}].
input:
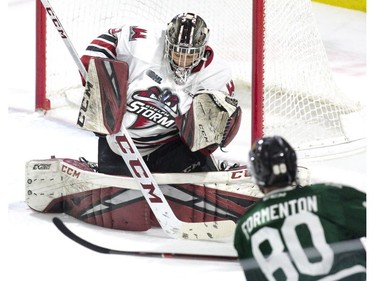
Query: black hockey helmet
[
  {"x": 186, "y": 35},
  {"x": 273, "y": 162}
]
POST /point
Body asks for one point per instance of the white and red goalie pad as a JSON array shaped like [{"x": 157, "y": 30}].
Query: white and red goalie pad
[
  {"x": 104, "y": 101},
  {"x": 66, "y": 185}
]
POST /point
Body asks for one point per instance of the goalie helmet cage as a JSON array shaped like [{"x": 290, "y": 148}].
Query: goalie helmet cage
[{"x": 273, "y": 47}]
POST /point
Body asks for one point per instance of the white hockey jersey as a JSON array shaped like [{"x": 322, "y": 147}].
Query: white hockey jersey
[{"x": 154, "y": 100}]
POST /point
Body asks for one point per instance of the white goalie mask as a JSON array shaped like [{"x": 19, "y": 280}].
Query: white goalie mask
[{"x": 185, "y": 42}]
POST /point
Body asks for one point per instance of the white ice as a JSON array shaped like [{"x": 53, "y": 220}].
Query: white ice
[{"x": 36, "y": 250}]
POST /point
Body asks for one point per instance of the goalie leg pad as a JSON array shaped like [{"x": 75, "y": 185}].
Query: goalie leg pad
[
  {"x": 56, "y": 186},
  {"x": 71, "y": 186},
  {"x": 110, "y": 207}
]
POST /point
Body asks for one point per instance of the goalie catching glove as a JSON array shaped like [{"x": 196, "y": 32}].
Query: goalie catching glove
[{"x": 213, "y": 120}]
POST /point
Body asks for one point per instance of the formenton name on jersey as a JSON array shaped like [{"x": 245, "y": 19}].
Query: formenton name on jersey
[{"x": 279, "y": 211}]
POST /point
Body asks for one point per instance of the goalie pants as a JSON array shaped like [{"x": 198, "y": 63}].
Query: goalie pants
[{"x": 173, "y": 157}]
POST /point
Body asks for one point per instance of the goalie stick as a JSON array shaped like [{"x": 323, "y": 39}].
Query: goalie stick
[
  {"x": 68, "y": 233},
  {"x": 148, "y": 186}
]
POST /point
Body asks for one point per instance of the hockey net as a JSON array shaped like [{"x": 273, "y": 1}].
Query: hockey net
[{"x": 277, "y": 57}]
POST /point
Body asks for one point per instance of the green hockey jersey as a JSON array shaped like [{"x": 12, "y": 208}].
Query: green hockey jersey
[{"x": 309, "y": 233}]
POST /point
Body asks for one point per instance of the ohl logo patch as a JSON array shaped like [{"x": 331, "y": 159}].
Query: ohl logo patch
[
  {"x": 137, "y": 33},
  {"x": 154, "y": 106}
]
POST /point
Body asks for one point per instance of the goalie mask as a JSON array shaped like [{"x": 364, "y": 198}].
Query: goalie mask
[
  {"x": 185, "y": 41},
  {"x": 273, "y": 162}
]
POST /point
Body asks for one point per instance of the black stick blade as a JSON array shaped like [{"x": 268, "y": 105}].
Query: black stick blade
[{"x": 66, "y": 231}]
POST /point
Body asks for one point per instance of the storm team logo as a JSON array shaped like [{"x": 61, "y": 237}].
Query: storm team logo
[{"x": 154, "y": 106}]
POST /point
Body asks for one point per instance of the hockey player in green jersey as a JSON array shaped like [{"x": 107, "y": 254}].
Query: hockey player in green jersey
[{"x": 299, "y": 233}]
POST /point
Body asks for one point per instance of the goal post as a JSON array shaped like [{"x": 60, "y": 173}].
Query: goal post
[
  {"x": 257, "y": 112},
  {"x": 274, "y": 48},
  {"x": 41, "y": 100}
]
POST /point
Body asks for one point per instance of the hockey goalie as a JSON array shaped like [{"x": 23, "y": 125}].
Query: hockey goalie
[{"x": 177, "y": 104}]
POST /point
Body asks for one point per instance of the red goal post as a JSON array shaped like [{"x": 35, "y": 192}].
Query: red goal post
[
  {"x": 41, "y": 100},
  {"x": 278, "y": 61}
]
